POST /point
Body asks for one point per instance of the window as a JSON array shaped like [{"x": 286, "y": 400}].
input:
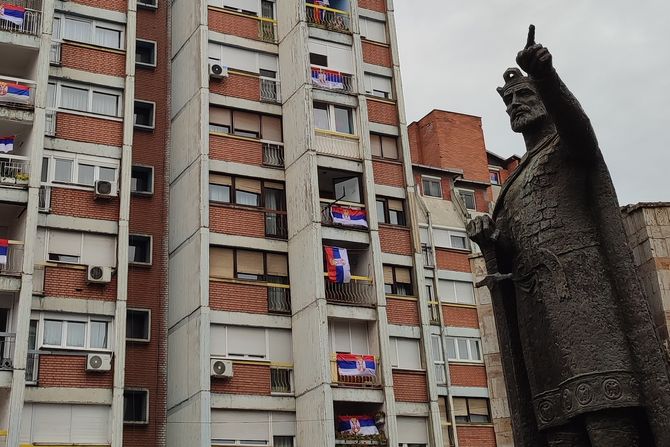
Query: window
[
  {"x": 77, "y": 169},
  {"x": 468, "y": 198},
  {"x": 464, "y": 349},
  {"x": 246, "y": 191},
  {"x": 384, "y": 146},
  {"x": 135, "y": 407},
  {"x": 494, "y": 175},
  {"x": 390, "y": 211},
  {"x": 62, "y": 170},
  {"x": 145, "y": 52},
  {"x": 139, "y": 250},
  {"x": 438, "y": 359},
  {"x": 81, "y": 248},
  {"x": 443, "y": 238},
  {"x": 142, "y": 180},
  {"x": 78, "y": 333},
  {"x": 149, "y": 4},
  {"x": 379, "y": 86},
  {"x": 412, "y": 431},
  {"x": 432, "y": 186},
  {"x": 334, "y": 118},
  {"x": 471, "y": 410},
  {"x": 245, "y": 124},
  {"x": 458, "y": 241},
  {"x": 397, "y": 280},
  {"x": 138, "y": 324},
  {"x": 144, "y": 117},
  {"x": 349, "y": 337},
  {"x": 84, "y": 98},
  {"x": 332, "y": 56},
  {"x": 248, "y": 265},
  {"x": 460, "y": 292},
  {"x": 405, "y": 353},
  {"x": 373, "y": 30},
  {"x": 95, "y": 32},
  {"x": 282, "y": 441},
  {"x": 318, "y": 59},
  {"x": 242, "y": 59}
]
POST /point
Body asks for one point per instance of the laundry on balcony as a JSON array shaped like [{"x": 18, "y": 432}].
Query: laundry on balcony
[
  {"x": 337, "y": 259},
  {"x": 357, "y": 425},
  {"x": 356, "y": 365},
  {"x": 13, "y": 14},
  {"x": 7, "y": 144},
  {"x": 349, "y": 217}
]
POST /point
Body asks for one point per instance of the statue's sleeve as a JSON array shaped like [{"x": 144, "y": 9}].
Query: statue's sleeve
[{"x": 573, "y": 126}]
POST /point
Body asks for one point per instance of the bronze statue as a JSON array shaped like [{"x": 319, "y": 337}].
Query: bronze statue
[{"x": 582, "y": 361}]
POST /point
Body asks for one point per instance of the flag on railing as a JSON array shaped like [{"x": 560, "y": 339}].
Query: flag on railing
[
  {"x": 348, "y": 217},
  {"x": 7, "y": 144},
  {"x": 332, "y": 80},
  {"x": 338, "y": 265},
  {"x": 4, "y": 250},
  {"x": 10, "y": 92},
  {"x": 13, "y": 13},
  {"x": 357, "y": 425},
  {"x": 356, "y": 365}
]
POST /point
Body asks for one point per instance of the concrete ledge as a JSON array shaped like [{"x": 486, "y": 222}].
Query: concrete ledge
[
  {"x": 251, "y": 402},
  {"x": 13, "y": 195},
  {"x": 245, "y": 319},
  {"x": 404, "y": 331},
  {"x": 390, "y": 191},
  {"x": 412, "y": 409},
  {"x": 97, "y": 150},
  {"x": 389, "y": 258},
  {"x": 352, "y": 312},
  {"x": 226, "y": 167},
  {"x": 78, "y": 306},
  {"x": 99, "y": 396},
  {"x": 341, "y": 234},
  {"x": 253, "y": 243},
  {"x": 10, "y": 283},
  {"x": 236, "y": 41},
  {"x": 89, "y": 11},
  {"x": 330, "y": 36},
  {"x": 78, "y": 224},
  {"x": 342, "y": 394},
  {"x": 73, "y": 75},
  {"x": 462, "y": 332},
  {"x": 468, "y": 391},
  {"x": 246, "y": 104}
]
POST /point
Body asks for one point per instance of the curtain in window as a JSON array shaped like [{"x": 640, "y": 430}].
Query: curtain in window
[
  {"x": 79, "y": 30},
  {"x": 105, "y": 104},
  {"x": 76, "y": 334},
  {"x": 98, "y": 334},
  {"x": 51, "y": 95},
  {"x": 108, "y": 174},
  {"x": 53, "y": 331},
  {"x": 63, "y": 170},
  {"x": 85, "y": 175},
  {"x": 74, "y": 98},
  {"x": 109, "y": 38}
]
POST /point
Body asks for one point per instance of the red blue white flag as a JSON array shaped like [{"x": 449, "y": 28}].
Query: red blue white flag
[
  {"x": 7, "y": 144},
  {"x": 357, "y": 425},
  {"x": 348, "y": 217},
  {"x": 10, "y": 92},
  {"x": 332, "y": 80},
  {"x": 13, "y": 13},
  {"x": 4, "y": 250},
  {"x": 356, "y": 365},
  {"x": 337, "y": 262}
]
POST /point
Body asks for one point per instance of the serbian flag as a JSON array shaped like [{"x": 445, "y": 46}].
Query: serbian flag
[
  {"x": 12, "y": 13},
  {"x": 348, "y": 217},
  {"x": 10, "y": 92},
  {"x": 4, "y": 249},
  {"x": 7, "y": 144},
  {"x": 357, "y": 425},
  {"x": 333, "y": 80},
  {"x": 356, "y": 365},
  {"x": 338, "y": 265}
]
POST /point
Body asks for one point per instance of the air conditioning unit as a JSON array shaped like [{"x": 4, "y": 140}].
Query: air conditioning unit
[
  {"x": 222, "y": 369},
  {"x": 217, "y": 71},
  {"x": 98, "y": 274},
  {"x": 105, "y": 189},
  {"x": 99, "y": 362}
]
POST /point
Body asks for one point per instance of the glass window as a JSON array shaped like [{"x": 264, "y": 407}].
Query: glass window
[
  {"x": 105, "y": 104},
  {"x": 219, "y": 193},
  {"x": 76, "y": 29},
  {"x": 343, "y": 120},
  {"x": 137, "y": 324},
  {"x": 139, "y": 250},
  {"x": 381, "y": 211},
  {"x": 98, "y": 335},
  {"x": 63, "y": 170},
  {"x": 45, "y": 170},
  {"x": 458, "y": 242},
  {"x": 451, "y": 348},
  {"x": 431, "y": 187},
  {"x": 135, "y": 406},
  {"x": 144, "y": 114},
  {"x": 85, "y": 174},
  {"x": 74, "y": 98},
  {"x": 76, "y": 334},
  {"x": 141, "y": 180},
  {"x": 53, "y": 332},
  {"x": 107, "y": 37},
  {"x": 107, "y": 174},
  {"x": 321, "y": 116},
  {"x": 145, "y": 53},
  {"x": 247, "y": 198},
  {"x": 468, "y": 198},
  {"x": 495, "y": 177}
]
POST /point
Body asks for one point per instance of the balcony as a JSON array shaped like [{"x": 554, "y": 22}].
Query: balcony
[
  {"x": 273, "y": 154},
  {"x": 281, "y": 380},
  {"x": 336, "y": 144},
  {"x": 279, "y": 299},
  {"x": 344, "y": 214},
  {"x": 14, "y": 170},
  {"x": 267, "y": 29},
  {"x": 359, "y": 424},
  {"x": 353, "y": 370},
  {"x": 332, "y": 80},
  {"x": 359, "y": 291},
  {"x": 14, "y": 264},
  {"x": 331, "y": 19},
  {"x": 269, "y": 89},
  {"x": 28, "y": 18},
  {"x": 17, "y": 93}
]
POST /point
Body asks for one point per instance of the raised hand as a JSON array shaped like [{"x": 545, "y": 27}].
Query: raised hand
[
  {"x": 535, "y": 59},
  {"x": 482, "y": 230}
]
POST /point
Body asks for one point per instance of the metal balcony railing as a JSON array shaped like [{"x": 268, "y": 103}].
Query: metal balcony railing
[
  {"x": 267, "y": 29},
  {"x": 55, "y": 53},
  {"x": 336, "y": 144},
  {"x": 281, "y": 380},
  {"x": 279, "y": 299},
  {"x": 327, "y": 217},
  {"x": 32, "y": 19},
  {"x": 434, "y": 312},
  {"x": 276, "y": 224},
  {"x": 7, "y": 350},
  {"x": 50, "y": 124},
  {"x": 17, "y": 93},
  {"x": 358, "y": 292},
  {"x": 332, "y": 80},
  {"x": 14, "y": 170},
  {"x": 329, "y": 18},
  {"x": 14, "y": 265},
  {"x": 354, "y": 381},
  {"x": 269, "y": 90},
  {"x": 273, "y": 154}
]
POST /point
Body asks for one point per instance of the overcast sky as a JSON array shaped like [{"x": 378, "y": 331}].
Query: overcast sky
[{"x": 612, "y": 54}]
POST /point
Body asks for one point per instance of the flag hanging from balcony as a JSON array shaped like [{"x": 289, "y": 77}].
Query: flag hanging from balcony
[
  {"x": 357, "y": 425},
  {"x": 332, "y": 80},
  {"x": 6, "y": 144},
  {"x": 348, "y": 217},
  {"x": 338, "y": 265},
  {"x": 10, "y": 92},
  {"x": 356, "y": 365},
  {"x": 4, "y": 249},
  {"x": 12, "y": 13}
]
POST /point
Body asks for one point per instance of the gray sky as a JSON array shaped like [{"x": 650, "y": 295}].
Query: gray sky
[{"x": 612, "y": 54}]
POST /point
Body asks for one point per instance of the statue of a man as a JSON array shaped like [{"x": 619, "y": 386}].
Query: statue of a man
[{"x": 583, "y": 364}]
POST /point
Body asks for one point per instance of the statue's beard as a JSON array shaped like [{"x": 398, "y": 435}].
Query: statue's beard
[{"x": 526, "y": 120}]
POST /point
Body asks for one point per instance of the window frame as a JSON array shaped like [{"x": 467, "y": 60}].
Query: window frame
[
  {"x": 150, "y": 249},
  {"x": 76, "y": 160},
  {"x": 154, "y": 50},
  {"x": 332, "y": 123},
  {"x": 144, "y": 392},
  {"x": 65, "y": 319},
  {"x": 453, "y": 282},
  {"x": 469, "y": 416},
  {"x": 470, "y": 341},
  {"x": 265, "y": 276},
  {"x": 143, "y": 103},
  {"x": 394, "y": 342},
  {"x": 381, "y": 146},
  {"x": 439, "y": 362},
  {"x": 150, "y": 191},
  {"x": 495, "y": 172},
  {"x": 387, "y": 211},
  {"x": 394, "y": 285},
  {"x": 142, "y": 4},
  {"x": 82, "y": 246},
  {"x": 58, "y": 85},
  {"x": 94, "y": 24},
  {"x": 147, "y": 312},
  {"x": 230, "y": 129},
  {"x": 459, "y": 191},
  {"x": 428, "y": 178},
  {"x": 261, "y": 196}
]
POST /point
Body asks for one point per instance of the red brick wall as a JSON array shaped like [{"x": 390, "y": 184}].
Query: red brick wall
[
  {"x": 468, "y": 375},
  {"x": 374, "y": 5},
  {"x": 71, "y": 283},
  {"x": 80, "y": 203},
  {"x": 227, "y": 23},
  {"x": 116, "y": 5},
  {"x": 476, "y": 436},
  {"x": 382, "y": 112},
  {"x": 452, "y": 260},
  {"x": 238, "y": 86},
  {"x": 388, "y": 173},
  {"x": 238, "y": 297},
  {"x": 456, "y": 316},
  {"x": 69, "y": 371},
  {"x": 97, "y": 130},
  {"x": 95, "y": 60},
  {"x": 396, "y": 240},
  {"x": 247, "y": 379},
  {"x": 410, "y": 386},
  {"x": 414, "y": 142},
  {"x": 482, "y": 199},
  {"x": 377, "y": 54},
  {"x": 236, "y": 150},
  {"x": 402, "y": 311},
  {"x": 236, "y": 220}
]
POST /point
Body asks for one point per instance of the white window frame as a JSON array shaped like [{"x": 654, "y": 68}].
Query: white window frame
[
  {"x": 148, "y": 314},
  {"x": 64, "y": 319},
  {"x": 93, "y": 24},
  {"x": 146, "y": 409},
  {"x": 393, "y": 342},
  {"x": 364, "y": 29},
  {"x": 82, "y": 234},
  {"x": 366, "y": 348},
  {"x": 453, "y": 284},
  {"x": 151, "y": 186},
  {"x": 461, "y": 234},
  {"x": 151, "y": 249},
  {"x": 91, "y": 89},
  {"x": 227, "y": 355},
  {"x": 369, "y": 90},
  {"x": 219, "y": 59},
  {"x": 331, "y": 119},
  {"x": 155, "y": 50},
  {"x": 439, "y": 362},
  {"x": 431, "y": 179},
  {"x": 143, "y": 4},
  {"x": 497, "y": 171},
  {"x": 467, "y": 191},
  {"x": 152, "y": 126},
  {"x": 470, "y": 341},
  {"x": 77, "y": 159}
]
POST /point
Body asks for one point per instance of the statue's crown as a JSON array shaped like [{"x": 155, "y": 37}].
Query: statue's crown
[{"x": 513, "y": 76}]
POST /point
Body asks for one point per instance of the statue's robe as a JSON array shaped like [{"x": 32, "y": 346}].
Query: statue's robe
[{"x": 574, "y": 326}]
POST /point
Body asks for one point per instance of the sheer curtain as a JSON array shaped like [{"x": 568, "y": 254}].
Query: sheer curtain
[
  {"x": 76, "y": 334},
  {"x": 53, "y": 331},
  {"x": 98, "y": 334},
  {"x": 74, "y": 98},
  {"x": 79, "y": 30},
  {"x": 106, "y": 37},
  {"x": 105, "y": 104}
]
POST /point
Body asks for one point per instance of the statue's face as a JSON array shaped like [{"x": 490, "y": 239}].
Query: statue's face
[{"x": 524, "y": 108}]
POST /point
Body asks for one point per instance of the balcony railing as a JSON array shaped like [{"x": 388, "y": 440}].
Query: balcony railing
[
  {"x": 50, "y": 124},
  {"x": 434, "y": 312},
  {"x": 269, "y": 90},
  {"x": 354, "y": 380},
  {"x": 358, "y": 292},
  {"x": 14, "y": 170},
  {"x": 17, "y": 93},
  {"x": 7, "y": 350},
  {"x": 281, "y": 380},
  {"x": 327, "y": 214},
  {"x": 332, "y": 80},
  {"x": 267, "y": 29},
  {"x": 273, "y": 154},
  {"x": 276, "y": 225},
  {"x": 55, "y": 53},
  {"x": 14, "y": 264},
  {"x": 279, "y": 299},
  {"x": 336, "y": 144},
  {"x": 329, "y": 18},
  {"x": 32, "y": 20}
]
